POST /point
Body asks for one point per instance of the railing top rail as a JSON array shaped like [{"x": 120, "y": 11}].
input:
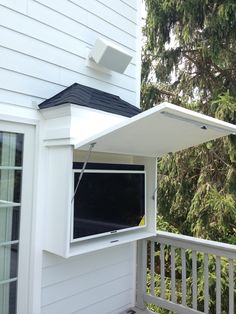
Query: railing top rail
[{"x": 187, "y": 242}]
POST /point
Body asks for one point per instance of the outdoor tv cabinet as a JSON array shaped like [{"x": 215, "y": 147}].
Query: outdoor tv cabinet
[
  {"x": 70, "y": 132},
  {"x": 60, "y": 155}
]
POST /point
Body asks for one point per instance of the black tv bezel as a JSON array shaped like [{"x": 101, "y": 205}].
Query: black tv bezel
[{"x": 107, "y": 167}]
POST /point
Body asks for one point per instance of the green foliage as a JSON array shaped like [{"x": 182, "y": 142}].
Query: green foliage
[
  {"x": 195, "y": 41},
  {"x": 204, "y": 222},
  {"x": 163, "y": 225},
  {"x": 189, "y": 59}
]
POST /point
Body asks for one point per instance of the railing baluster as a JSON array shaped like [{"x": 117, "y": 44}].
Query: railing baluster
[
  {"x": 141, "y": 273},
  {"x": 162, "y": 259},
  {"x": 218, "y": 285},
  {"x": 173, "y": 294},
  {"x": 175, "y": 243},
  {"x": 183, "y": 262},
  {"x": 152, "y": 268},
  {"x": 231, "y": 286},
  {"x": 144, "y": 262},
  {"x": 194, "y": 274},
  {"x": 206, "y": 284}
]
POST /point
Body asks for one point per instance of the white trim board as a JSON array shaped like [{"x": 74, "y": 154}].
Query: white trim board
[
  {"x": 164, "y": 129},
  {"x": 26, "y": 244}
]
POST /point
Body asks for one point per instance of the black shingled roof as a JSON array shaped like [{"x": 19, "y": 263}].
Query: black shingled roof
[{"x": 93, "y": 98}]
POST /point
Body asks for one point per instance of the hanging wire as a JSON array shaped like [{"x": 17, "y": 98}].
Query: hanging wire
[{"x": 91, "y": 146}]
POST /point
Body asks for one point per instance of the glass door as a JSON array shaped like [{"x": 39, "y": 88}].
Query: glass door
[{"x": 11, "y": 159}]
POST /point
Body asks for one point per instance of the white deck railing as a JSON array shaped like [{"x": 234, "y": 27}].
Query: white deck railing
[{"x": 186, "y": 275}]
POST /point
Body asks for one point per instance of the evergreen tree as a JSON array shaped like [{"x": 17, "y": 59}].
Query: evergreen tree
[{"x": 189, "y": 58}]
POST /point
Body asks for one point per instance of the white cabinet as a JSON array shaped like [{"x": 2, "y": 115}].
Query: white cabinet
[
  {"x": 59, "y": 190},
  {"x": 59, "y": 205},
  {"x": 67, "y": 135}
]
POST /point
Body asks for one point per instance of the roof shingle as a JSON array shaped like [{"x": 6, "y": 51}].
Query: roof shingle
[{"x": 92, "y": 98}]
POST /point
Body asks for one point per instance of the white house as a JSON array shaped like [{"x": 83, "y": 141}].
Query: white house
[{"x": 78, "y": 163}]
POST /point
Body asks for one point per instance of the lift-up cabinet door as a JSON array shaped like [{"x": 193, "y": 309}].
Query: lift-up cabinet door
[
  {"x": 163, "y": 129},
  {"x": 138, "y": 140}
]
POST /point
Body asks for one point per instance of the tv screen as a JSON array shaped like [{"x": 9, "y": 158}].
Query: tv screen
[{"x": 108, "y": 201}]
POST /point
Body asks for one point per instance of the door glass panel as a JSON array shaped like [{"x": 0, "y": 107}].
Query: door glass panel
[
  {"x": 15, "y": 225},
  {"x": 11, "y": 151},
  {"x": 11, "y": 147},
  {"x": 8, "y": 293},
  {"x": 10, "y": 185},
  {"x": 9, "y": 231},
  {"x": 8, "y": 261}
]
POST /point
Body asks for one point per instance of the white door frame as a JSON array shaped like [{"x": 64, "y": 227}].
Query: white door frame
[{"x": 27, "y": 191}]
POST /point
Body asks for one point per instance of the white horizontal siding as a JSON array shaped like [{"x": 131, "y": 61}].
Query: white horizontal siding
[
  {"x": 76, "y": 23},
  {"x": 66, "y": 35},
  {"x": 54, "y": 267},
  {"x": 121, "y": 8},
  {"x": 66, "y": 287},
  {"x": 108, "y": 15},
  {"x": 21, "y": 100},
  {"x": 93, "y": 297},
  {"x": 109, "y": 306},
  {"x": 43, "y": 49},
  {"x": 19, "y": 5},
  {"x": 101, "y": 280},
  {"x": 38, "y": 68},
  {"x": 27, "y": 85},
  {"x": 130, "y": 3},
  {"x": 70, "y": 57},
  {"x": 44, "y": 45}
]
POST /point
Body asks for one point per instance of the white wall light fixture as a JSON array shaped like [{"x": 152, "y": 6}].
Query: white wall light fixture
[{"x": 110, "y": 56}]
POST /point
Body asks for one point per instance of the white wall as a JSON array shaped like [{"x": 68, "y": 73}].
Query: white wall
[
  {"x": 44, "y": 44},
  {"x": 101, "y": 282},
  {"x": 43, "y": 48}
]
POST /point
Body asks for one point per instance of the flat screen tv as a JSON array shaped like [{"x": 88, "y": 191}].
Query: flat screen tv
[{"x": 110, "y": 199}]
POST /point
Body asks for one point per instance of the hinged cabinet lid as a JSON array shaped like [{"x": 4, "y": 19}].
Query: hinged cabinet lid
[{"x": 163, "y": 129}]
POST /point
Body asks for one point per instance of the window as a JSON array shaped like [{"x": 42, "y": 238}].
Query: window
[{"x": 11, "y": 152}]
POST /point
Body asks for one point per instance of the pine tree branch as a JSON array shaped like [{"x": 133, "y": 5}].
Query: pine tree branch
[{"x": 166, "y": 92}]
